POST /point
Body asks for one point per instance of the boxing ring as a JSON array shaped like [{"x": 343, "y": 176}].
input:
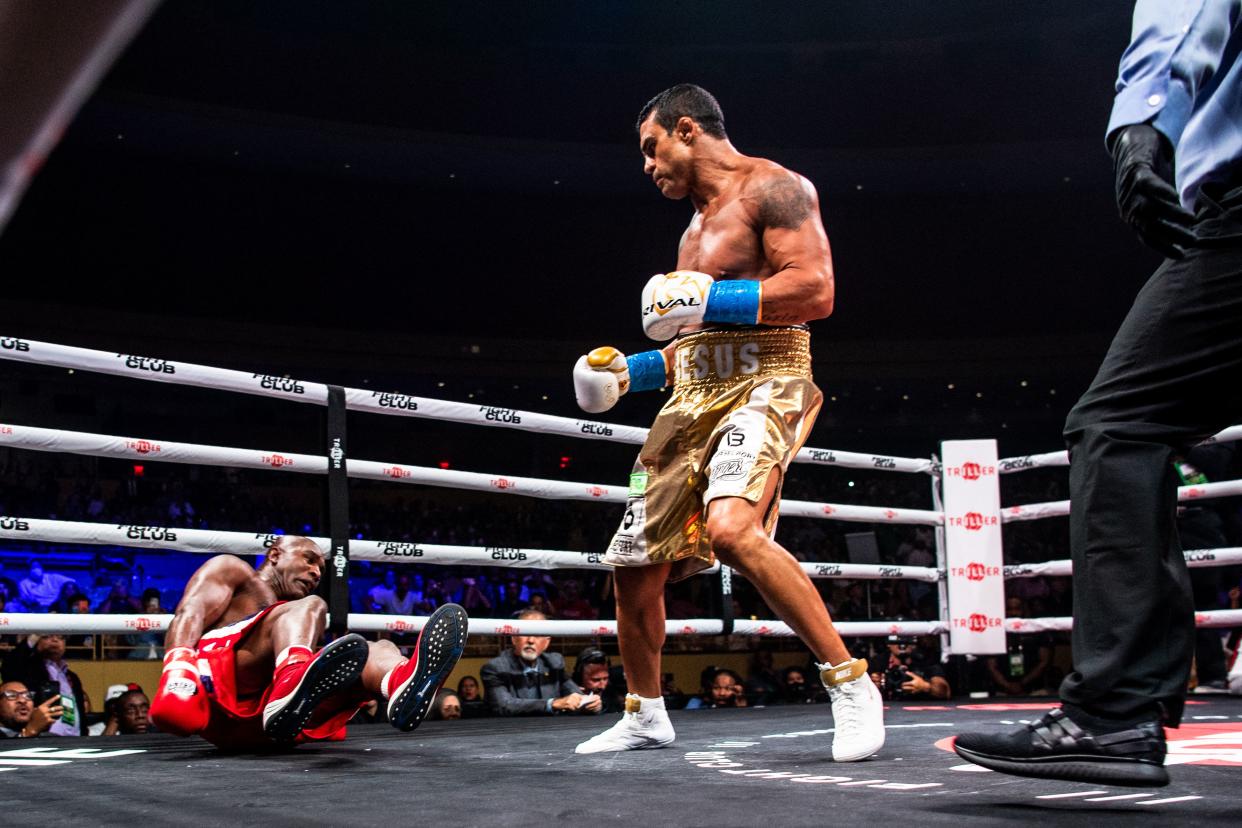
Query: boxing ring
[{"x": 777, "y": 755}]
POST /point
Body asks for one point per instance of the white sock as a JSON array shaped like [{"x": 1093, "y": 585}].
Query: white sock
[
  {"x": 384, "y": 682},
  {"x": 647, "y": 704}
]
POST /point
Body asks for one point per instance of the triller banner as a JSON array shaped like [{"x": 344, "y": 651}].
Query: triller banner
[{"x": 972, "y": 532}]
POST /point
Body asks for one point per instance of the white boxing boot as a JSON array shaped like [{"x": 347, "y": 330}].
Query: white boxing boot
[
  {"x": 644, "y": 725},
  {"x": 857, "y": 710}
]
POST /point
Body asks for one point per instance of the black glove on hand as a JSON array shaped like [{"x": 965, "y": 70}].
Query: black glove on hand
[{"x": 1143, "y": 162}]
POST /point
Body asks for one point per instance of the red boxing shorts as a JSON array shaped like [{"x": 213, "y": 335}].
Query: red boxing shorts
[{"x": 236, "y": 721}]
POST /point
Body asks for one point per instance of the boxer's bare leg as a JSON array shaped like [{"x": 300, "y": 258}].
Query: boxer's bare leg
[
  {"x": 298, "y": 623},
  {"x": 640, "y": 625},
  {"x": 735, "y": 526},
  {"x": 383, "y": 657}
]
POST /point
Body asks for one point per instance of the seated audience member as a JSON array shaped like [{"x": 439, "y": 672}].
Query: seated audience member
[
  {"x": 41, "y": 666},
  {"x": 592, "y": 672},
  {"x": 379, "y": 594},
  {"x": 723, "y": 689},
  {"x": 148, "y": 646},
  {"x": 119, "y": 601},
  {"x": 763, "y": 684},
  {"x": 401, "y": 600},
  {"x": 470, "y": 694},
  {"x": 20, "y": 717},
  {"x": 1023, "y": 670},
  {"x": 794, "y": 688},
  {"x": 40, "y": 589},
  {"x": 70, "y": 599},
  {"x": 133, "y": 712},
  {"x": 525, "y": 680},
  {"x": 908, "y": 671},
  {"x": 445, "y": 706},
  {"x": 473, "y": 599},
  {"x": 572, "y": 605},
  {"x": 674, "y": 699}
]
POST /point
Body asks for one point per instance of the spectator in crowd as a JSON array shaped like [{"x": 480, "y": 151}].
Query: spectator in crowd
[
  {"x": 674, "y": 699},
  {"x": 133, "y": 712},
  {"x": 40, "y": 589},
  {"x": 572, "y": 605},
  {"x": 526, "y": 680},
  {"x": 401, "y": 600},
  {"x": 69, "y": 598},
  {"x": 763, "y": 684},
  {"x": 794, "y": 688},
  {"x": 1023, "y": 670},
  {"x": 20, "y": 717},
  {"x": 723, "y": 689},
  {"x": 39, "y": 663},
  {"x": 446, "y": 705},
  {"x": 513, "y": 596},
  {"x": 474, "y": 598},
  {"x": 592, "y": 672},
  {"x": 909, "y": 671},
  {"x": 471, "y": 697},
  {"x": 379, "y": 594},
  {"x": 119, "y": 601}
]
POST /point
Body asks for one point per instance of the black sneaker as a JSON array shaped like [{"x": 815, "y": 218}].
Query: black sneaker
[
  {"x": 413, "y": 685},
  {"x": 1056, "y": 747}
]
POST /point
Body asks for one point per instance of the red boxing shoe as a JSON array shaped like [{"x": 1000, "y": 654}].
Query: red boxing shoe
[
  {"x": 299, "y": 688},
  {"x": 412, "y": 686}
]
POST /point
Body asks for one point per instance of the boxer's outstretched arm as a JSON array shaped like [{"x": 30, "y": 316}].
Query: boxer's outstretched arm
[
  {"x": 795, "y": 246},
  {"x": 207, "y": 596}
]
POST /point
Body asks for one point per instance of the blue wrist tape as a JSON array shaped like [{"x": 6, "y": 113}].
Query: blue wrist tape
[
  {"x": 735, "y": 302},
  {"x": 646, "y": 371}
]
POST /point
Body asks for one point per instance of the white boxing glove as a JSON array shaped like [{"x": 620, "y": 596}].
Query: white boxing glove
[
  {"x": 604, "y": 375},
  {"x": 675, "y": 301},
  {"x": 600, "y": 378},
  {"x": 672, "y": 301}
]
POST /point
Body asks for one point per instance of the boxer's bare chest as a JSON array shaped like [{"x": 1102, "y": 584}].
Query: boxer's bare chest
[
  {"x": 249, "y": 598},
  {"x": 724, "y": 241}
]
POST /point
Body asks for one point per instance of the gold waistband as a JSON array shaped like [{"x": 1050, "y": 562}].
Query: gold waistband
[{"x": 714, "y": 360}]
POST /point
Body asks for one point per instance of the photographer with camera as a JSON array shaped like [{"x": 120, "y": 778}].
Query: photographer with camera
[{"x": 909, "y": 672}]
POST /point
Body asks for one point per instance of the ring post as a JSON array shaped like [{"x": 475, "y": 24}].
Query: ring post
[
  {"x": 338, "y": 513},
  {"x": 726, "y": 600}
]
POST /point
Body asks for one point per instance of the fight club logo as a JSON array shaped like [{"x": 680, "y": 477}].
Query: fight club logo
[
  {"x": 970, "y": 471},
  {"x": 1202, "y": 555},
  {"x": 500, "y": 553},
  {"x": 12, "y": 524},
  {"x": 596, "y": 491},
  {"x": 143, "y": 624},
  {"x": 502, "y": 483},
  {"x": 591, "y": 557},
  {"x": 975, "y": 571},
  {"x": 827, "y": 570},
  {"x": 977, "y": 622},
  {"x": 1017, "y": 570},
  {"x": 276, "y": 461},
  {"x": 884, "y": 462},
  {"x": 398, "y": 472},
  {"x": 401, "y": 550},
  {"x": 823, "y": 456},
  {"x": 403, "y": 402},
  {"x": 500, "y": 415},
  {"x": 973, "y": 521},
  {"x": 289, "y": 386},
  {"x": 143, "y": 446},
  {"x": 10, "y": 344},
  {"x": 150, "y": 533},
  {"x": 155, "y": 366},
  {"x": 1017, "y": 464},
  {"x": 890, "y": 572},
  {"x": 597, "y": 428},
  {"x": 268, "y": 541}
]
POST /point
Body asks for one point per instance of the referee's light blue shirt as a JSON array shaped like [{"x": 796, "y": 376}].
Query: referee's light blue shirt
[{"x": 1182, "y": 74}]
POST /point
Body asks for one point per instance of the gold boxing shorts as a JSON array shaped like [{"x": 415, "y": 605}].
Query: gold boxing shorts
[{"x": 742, "y": 405}]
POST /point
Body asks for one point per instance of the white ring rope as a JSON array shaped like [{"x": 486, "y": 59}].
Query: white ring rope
[
  {"x": 1061, "y": 458},
  {"x": 1195, "y": 559},
  {"x": 1203, "y": 619},
  {"x": 22, "y": 623},
  {"x": 1055, "y": 508},
  {"x": 133, "y": 448},
  {"x": 872, "y": 572},
  {"x": 378, "y": 402}
]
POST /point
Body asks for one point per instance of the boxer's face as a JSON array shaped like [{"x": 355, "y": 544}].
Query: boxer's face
[
  {"x": 299, "y": 566},
  {"x": 667, "y": 156}
]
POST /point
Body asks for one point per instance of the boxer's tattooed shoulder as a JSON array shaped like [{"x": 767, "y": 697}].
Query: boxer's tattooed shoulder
[{"x": 784, "y": 203}]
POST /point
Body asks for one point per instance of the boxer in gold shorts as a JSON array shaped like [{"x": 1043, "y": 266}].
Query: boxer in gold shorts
[{"x": 753, "y": 268}]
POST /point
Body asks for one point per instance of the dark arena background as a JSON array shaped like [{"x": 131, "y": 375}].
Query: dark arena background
[{"x": 444, "y": 201}]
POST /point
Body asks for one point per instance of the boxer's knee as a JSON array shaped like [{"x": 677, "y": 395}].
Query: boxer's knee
[
  {"x": 311, "y": 605},
  {"x": 733, "y": 529}
]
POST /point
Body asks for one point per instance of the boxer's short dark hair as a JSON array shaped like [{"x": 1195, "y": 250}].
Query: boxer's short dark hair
[{"x": 685, "y": 99}]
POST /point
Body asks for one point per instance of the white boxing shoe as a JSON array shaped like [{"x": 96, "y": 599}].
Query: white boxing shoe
[
  {"x": 643, "y": 726},
  {"x": 857, "y": 710}
]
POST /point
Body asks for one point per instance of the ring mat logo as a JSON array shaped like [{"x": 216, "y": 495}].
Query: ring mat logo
[{"x": 36, "y": 757}]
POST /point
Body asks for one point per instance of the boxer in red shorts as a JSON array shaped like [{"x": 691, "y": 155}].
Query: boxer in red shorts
[{"x": 241, "y": 671}]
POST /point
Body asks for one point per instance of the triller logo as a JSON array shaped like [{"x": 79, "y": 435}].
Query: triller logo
[
  {"x": 977, "y": 622},
  {"x": 973, "y": 521},
  {"x": 975, "y": 571},
  {"x": 143, "y": 446},
  {"x": 971, "y": 471}
]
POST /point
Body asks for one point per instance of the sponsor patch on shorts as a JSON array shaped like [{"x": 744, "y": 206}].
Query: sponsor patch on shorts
[{"x": 638, "y": 484}]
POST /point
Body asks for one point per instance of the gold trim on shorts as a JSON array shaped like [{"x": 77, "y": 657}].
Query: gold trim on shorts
[{"x": 742, "y": 405}]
